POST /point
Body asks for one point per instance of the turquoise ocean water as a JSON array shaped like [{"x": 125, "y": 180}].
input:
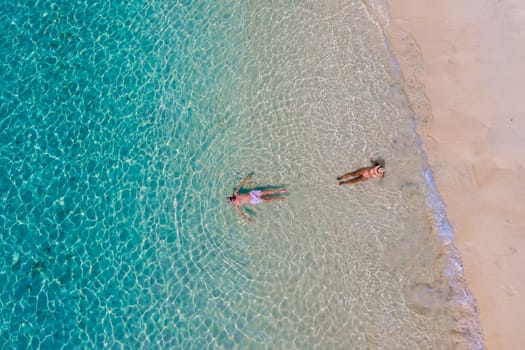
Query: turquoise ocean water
[{"x": 125, "y": 124}]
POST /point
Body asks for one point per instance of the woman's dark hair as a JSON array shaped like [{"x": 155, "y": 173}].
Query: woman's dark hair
[{"x": 378, "y": 161}]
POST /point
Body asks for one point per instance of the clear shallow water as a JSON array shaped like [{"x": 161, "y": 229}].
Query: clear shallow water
[{"x": 124, "y": 125}]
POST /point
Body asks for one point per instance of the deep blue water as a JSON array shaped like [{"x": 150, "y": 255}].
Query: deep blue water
[{"x": 100, "y": 135}]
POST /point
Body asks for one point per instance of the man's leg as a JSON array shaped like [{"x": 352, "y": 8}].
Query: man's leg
[
  {"x": 272, "y": 199},
  {"x": 268, "y": 192}
]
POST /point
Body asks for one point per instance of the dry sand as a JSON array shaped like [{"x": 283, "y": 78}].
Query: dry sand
[{"x": 463, "y": 64}]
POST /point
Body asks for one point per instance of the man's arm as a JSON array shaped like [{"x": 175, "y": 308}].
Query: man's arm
[
  {"x": 242, "y": 183},
  {"x": 242, "y": 214}
]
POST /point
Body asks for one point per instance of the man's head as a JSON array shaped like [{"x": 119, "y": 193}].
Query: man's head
[
  {"x": 381, "y": 170},
  {"x": 230, "y": 199}
]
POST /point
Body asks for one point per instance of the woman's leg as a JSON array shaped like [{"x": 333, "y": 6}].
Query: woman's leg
[
  {"x": 360, "y": 178},
  {"x": 353, "y": 173}
]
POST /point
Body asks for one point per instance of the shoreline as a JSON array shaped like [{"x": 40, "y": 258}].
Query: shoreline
[{"x": 462, "y": 81}]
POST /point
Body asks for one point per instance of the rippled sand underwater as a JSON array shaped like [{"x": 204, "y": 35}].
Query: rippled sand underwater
[{"x": 124, "y": 127}]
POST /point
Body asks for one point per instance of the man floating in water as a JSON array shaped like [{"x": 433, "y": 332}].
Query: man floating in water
[
  {"x": 253, "y": 197},
  {"x": 376, "y": 170}
]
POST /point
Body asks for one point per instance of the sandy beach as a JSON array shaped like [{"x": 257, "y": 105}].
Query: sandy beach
[{"x": 463, "y": 65}]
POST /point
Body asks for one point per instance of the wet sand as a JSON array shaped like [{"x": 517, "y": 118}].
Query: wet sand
[{"x": 463, "y": 66}]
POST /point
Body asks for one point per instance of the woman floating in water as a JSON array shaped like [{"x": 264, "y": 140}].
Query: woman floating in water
[
  {"x": 253, "y": 197},
  {"x": 376, "y": 170}
]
